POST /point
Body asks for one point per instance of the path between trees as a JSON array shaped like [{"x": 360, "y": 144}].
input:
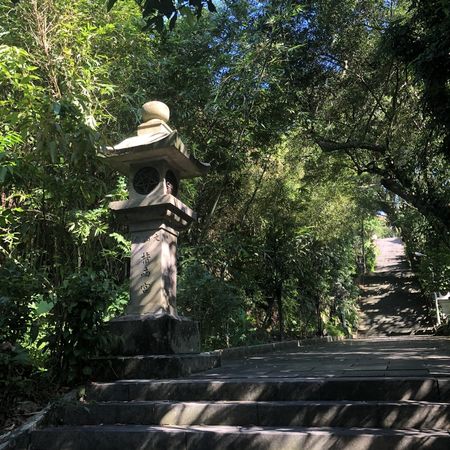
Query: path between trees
[{"x": 391, "y": 303}]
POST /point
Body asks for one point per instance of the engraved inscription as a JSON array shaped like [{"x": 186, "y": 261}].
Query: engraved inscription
[
  {"x": 146, "y": 259},
  {"x": 154, "y": 237},
  {"x": 145, "y": 287}
]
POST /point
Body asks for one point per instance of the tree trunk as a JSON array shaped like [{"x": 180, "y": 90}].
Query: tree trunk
[
  {"x": 363, "y": 248},
  {"x": 319, "y": 318},
  {"x": 279, "y": 298}
]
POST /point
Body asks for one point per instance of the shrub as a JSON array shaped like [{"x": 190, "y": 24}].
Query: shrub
[
  {"x": 78, "y": 331},
  {"x": 215, "y": 302}
]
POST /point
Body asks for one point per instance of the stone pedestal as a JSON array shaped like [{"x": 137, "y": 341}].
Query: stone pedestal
[{"x": 155, "y": 334}]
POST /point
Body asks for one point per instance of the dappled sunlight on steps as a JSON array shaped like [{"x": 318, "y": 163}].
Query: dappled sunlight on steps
[
  {"x": 391, "y": 303},
  {"x": 368, "y": 394}
]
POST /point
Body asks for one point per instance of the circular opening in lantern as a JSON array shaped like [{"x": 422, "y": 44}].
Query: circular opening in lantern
[
  {"x": 145, "y": 180},
  {"x": 171, "y": 183}
]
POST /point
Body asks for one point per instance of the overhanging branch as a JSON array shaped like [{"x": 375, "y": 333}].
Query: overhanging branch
[{"x": 333, "y": 146}]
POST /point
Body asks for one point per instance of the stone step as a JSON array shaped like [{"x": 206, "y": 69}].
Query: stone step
[
  {"x": 153, "y": 366},
  {"x": 406, "y": 414},
  {"x": 286, "y": 389},
  {"x": 116, "y": 437}
]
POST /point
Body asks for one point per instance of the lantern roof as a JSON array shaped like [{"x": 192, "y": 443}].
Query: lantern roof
[{"x": 155, "y": 141}]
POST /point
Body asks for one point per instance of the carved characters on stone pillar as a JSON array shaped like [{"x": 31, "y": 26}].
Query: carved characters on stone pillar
[
  {"x": 146, "y": 261},
  {"x": 155, "y": 237},
  {"x": 153, "y": 272}
]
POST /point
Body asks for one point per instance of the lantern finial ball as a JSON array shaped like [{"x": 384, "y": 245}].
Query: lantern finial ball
[{"x": 155, "y": 110}]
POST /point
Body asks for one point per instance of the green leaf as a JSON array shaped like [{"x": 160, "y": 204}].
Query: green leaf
[
  {"x": 52, "y": 150},
  {"x": 43, "y": 307},
  {"x": 56, "y": 108},
  {"x": 34, "y": 330},
  {"x": 22, "y": 357},
  {"x": 188, "y": 15},
  {"x": 3, "y": 172}
]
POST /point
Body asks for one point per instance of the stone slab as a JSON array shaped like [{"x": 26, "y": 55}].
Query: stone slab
[
  {"x": 152, "y": 366},
  {"x": 107, "y": 438},
  {"x": 411, "y": 356},
  {"x": 396, "y": 415},
  {"x": 274, "y": 389},
  {"x": 444, "y": 389},
  {"x": 207, "y": 413},
  {"x": 227, "y": 437},
  {"x": 312, "y": 439}
]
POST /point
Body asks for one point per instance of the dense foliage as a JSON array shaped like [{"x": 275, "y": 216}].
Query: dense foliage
[
  {"x": 310, "y": 120},
  {"x": 160, "y": 13}
]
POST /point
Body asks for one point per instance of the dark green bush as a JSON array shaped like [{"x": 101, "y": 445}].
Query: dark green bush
[
  {"x": 77, "y": 330},
  {"x": 17, "y": 287},
  {"x": 217, "y": 305}
]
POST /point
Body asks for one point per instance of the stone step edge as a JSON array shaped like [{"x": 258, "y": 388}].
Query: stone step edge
[
  {"x": 199, "y": 379},
  {"x": 232, "y": 353},
  {"x": 355, "y": 388},
  {"x": 86, "y": 404},
  {"x": 412, "y": 414},
  {"x": 111, "y": 368},
  {"x": 226, "y": 437},
  {"x": 187, "y": 356},
  {"x": 223, "y": 429}
]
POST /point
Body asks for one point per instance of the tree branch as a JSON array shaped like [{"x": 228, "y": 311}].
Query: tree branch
[
  {"x": 431, "y": 208},
  {"x": 332, "y": 146}
]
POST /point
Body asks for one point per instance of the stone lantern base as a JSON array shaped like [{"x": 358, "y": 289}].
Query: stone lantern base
[
  {"x": 153, "y": 346},
  {"x": 152, "y": 334}
]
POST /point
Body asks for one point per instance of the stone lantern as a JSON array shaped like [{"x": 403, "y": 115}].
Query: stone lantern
[{"x": 155, "y": 161}]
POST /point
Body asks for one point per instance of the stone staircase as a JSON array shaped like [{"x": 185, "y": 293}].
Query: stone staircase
[
  {"x": 392, "y": 303},
  {"x": 254, "y": 413}
]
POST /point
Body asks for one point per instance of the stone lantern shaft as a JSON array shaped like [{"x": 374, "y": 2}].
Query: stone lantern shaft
[{"x": 153, "y": 270}]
